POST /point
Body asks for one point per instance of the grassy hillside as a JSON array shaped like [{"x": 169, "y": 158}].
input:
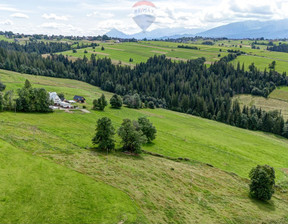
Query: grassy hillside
[
  {"x": 141, "y": 51},
  {"x": 179, "y": 135},
  {"x": 280, "y": 94},
  {"x": 166, "y": 191},
  {"x": 34, "y": 190},
  {"x": 270, "y": 104}
]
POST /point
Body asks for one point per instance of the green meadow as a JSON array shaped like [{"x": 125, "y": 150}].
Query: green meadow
[
  {"x": 120, "y": 53},
  {"x": 119, "y": 188}
]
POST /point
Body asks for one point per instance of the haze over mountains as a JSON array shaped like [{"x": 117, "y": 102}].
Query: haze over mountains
[{"x": 249, "y": 29}]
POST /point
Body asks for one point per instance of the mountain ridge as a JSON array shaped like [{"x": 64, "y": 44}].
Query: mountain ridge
[{"x": 273, "y": 29}]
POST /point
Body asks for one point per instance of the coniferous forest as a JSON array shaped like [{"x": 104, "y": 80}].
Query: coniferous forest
[{"x": 188, "y": 87}]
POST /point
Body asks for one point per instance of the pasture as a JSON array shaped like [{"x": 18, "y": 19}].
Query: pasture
[{"x": 141, "y": 189}]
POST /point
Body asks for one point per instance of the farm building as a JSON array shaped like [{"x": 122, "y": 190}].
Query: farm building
[
  {"x": 79, "y": 99},
  {"x": 55, "y": 98},
  {"x": 66, "y": 105}
]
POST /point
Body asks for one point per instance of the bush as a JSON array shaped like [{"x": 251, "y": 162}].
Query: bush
[
  {"x": 100, "y": 104},
  {"x": 133, "y": 101},
  {"x": 151, "y": 105},
  {"x": 262, "y": 182},
  {"x": 147, "y": 128},
  {"x": 132, "y": 137},
  {"x": 116, "y": 101}
]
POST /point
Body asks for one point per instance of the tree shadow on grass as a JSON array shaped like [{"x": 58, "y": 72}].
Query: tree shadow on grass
[
  {"x": 149, "y": 144},
  {"x": 267, "y": 206},
  {"x": 116, "y": 153}
]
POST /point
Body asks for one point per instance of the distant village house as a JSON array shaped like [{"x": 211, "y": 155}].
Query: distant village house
[{"x": 79, "y": 99}]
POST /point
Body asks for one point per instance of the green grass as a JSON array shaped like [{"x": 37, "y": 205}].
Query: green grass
[
  {"x": 35, "y": 190},
  {"x": 179, "y": 135},
  {"x": 261, "y": 63},
  {"x": 280, "y": 94},
  {"x": 165, "y": 191},
  {"x": 2, "y": 37},
  {"x": 141, "y": 51},
  {"x": 270, "y": 104}
]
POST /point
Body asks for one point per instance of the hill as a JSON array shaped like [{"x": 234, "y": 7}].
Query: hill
[
  {"x": 274, "y": 29},
  {"x": 163, "y": 33},
  {"x": 35, "y": 190},
  {"x": 164, "y": 190},
  {"x": 250, "y": 29}
]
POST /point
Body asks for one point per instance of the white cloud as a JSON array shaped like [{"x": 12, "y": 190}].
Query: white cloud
[
  {"x": 61, "y": 28},
  {"x": 92, "y": 17},
  {"x": 53, "y": 16},
  {"x": 101, "y": 15},
  {"x": 7, "y": 22},
  {"x": 8, "y": 8},
  {"x": 20, "y": 16}
]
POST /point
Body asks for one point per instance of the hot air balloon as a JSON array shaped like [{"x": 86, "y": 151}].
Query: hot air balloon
[{"x": 144, "y": 14}]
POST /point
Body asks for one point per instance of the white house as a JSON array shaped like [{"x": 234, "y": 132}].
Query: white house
[
  {"x": 55, "y": 98},
  {"x": 66, "y": 105}
]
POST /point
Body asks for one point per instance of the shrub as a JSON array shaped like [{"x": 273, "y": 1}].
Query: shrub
[
  {"x": 116, "y": 101},
  {"x": 262, "y": 182},
  {"x": 147, "y": 128},
  {"x": 132, "y": 137},
  {"x": 100, "y": 103}
]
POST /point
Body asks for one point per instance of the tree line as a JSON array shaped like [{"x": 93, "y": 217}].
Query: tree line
[
  {"x": 26, "y": 99},
  {"x": 132, "y": 133},
  {"x": 188, "y": 87},
  {"x": 43, "y": 47},
  {"x": 279, "y": 48}
]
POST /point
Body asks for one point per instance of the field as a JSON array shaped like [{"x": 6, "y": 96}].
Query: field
[
  {"x": 280, "y": 94},
  {"x": 269, "y": 104},
  {"x": 34, "y": 189},
  {"x": 277, "y": 100},
  {"x": 2, "y": 37},
  {"x": 120, "y": 53},
  {"x": 164, "y": 190},
  {"x": 140, "y": 52}
]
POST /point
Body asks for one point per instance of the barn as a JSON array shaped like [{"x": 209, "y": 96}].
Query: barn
[{"x": 79, "y": 99}]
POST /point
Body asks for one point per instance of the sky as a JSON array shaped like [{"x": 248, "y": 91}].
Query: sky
[{"x": 94, "y": 17}]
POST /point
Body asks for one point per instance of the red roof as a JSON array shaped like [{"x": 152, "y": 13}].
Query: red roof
[{"x": 144, "y": 3}]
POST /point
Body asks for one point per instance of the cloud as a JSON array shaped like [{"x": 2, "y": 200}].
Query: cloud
[
  {"x": 102, "y": 15},
  {"x": 62, "y": 28},
  {"x": 19, "y": 16},
  {"x": 8, "y": 8},
  {"x": 6, "y": 22},
  {"x": 53, "y": 16}
]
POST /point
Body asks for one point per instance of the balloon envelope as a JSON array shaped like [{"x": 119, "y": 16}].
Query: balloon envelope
[
  {"x": 144, "y": 21},
  {"x": 144, "y": 14}
]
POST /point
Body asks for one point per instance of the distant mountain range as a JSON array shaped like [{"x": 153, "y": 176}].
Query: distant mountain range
[
  {"x": 164, "y": 33},
  {"x": 249, "y": 29}
]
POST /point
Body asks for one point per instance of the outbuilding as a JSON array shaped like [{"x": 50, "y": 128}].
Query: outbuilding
[{"x": 79, "y": 99}]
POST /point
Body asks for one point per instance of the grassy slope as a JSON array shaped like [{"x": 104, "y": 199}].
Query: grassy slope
[
  {"x": 34, "y": 190},
  {"x": 269, "y": 104},
  {"x": 179, "y": 135},
  {"x": 191, "y": 193},
  {"x": 280, "y": 94},
  {"x": 141, "y": 51}
]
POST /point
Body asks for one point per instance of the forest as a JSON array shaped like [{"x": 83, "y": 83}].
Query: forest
[
  {"x": 279, "y": 48},
  {"x": 42, "y": 47},
  {"x": 189, "y": 87}
]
